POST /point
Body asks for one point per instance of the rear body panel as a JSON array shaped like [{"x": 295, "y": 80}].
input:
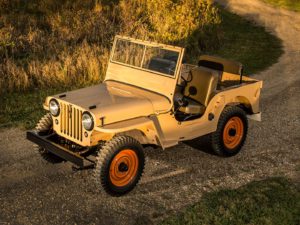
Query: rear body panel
[{"x": 174, "y": 131}]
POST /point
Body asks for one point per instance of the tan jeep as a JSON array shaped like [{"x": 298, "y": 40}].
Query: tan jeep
[{"x": 148, "y": 97}]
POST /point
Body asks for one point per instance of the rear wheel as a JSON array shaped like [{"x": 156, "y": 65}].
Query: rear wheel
[
  {"x": 44, "y": 127},
  {"x": 231, "y": 132},
  {"x": 119, "y": 166}
]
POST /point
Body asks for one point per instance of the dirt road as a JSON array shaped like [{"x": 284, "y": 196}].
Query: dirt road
[{"x": 32, "y": 192}]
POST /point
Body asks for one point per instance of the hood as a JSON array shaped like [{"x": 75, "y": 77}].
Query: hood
[{"x": 116, "y": 101}]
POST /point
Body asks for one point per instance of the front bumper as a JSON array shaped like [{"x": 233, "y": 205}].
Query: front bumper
[{"x": 56, "y": 149}]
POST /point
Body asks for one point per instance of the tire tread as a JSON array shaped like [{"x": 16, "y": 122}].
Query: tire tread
[
  {"x": 106, "y": 152},
  {"x": 216, "y": 137}
]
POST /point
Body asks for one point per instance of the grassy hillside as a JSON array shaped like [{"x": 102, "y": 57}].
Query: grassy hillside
[
  {"x": 272, "y": 201},
  {"x": 293, "y": 5},
  {"x": 48, "y": 47},
  {"x": 49, "y": 43}
]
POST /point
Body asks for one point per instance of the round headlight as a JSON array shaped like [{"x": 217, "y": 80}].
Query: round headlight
[
  {"x": 54, "y": 107},
  {"x": 87, "y": 121}
]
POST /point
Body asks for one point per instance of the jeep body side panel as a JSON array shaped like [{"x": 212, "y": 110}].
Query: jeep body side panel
[
  {"x": 164, "y": 130},
  {"x": 174, "y": 131}
]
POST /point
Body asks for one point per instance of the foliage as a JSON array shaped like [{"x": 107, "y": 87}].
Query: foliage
[
  {"x": 287, "y": 4},
  {"x": 24, "y": 109},
  {"x": 49, "y": 43},
  {"x": 247, "y": 43},
  {"x": 67, "y": 63},
  {"x": 272, "y": 201},
  {"x": 190, "y": 23}
]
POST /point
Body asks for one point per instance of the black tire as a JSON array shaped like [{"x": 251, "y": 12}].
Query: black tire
[
  {"x": 231, "y": 132},
  {"x": 44, "y": 127},
  {"x": 111, "y": 162}
]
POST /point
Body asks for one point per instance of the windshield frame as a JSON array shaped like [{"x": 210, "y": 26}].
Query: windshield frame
[{"x": 146, "y": 44}]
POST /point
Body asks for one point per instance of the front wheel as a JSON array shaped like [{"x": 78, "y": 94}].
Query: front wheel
[
  {"x": 231, "y": 132},
  {"x": 44, "y": 127},
  {"x": 119, "y": 166}
]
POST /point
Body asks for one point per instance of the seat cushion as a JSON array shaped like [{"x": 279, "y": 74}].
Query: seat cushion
[
  {"x": 193, "y": 107},
  {"x": 203, "y": 84}
]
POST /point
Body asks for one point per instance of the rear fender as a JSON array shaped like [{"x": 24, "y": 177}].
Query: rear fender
[{"x": 246, "y": 105}]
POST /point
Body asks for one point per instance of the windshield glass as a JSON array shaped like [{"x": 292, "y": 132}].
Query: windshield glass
[{"x": 146, "y": 57}]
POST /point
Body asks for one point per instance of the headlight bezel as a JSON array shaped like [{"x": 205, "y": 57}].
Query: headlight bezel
[
  {"x": 86, "y": 113},
  {"x": 58, "y": 107}
]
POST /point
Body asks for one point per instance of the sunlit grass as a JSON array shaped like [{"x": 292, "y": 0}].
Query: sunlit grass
[
  {"x": 50, "y": 43},
  {"x": 293, "y": 5}
]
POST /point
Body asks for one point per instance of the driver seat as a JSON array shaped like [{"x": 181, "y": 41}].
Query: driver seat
[{"x": 199, "y": 90}]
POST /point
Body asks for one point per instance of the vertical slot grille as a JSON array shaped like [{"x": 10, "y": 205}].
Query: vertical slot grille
[{"x": 70, "y": 121}]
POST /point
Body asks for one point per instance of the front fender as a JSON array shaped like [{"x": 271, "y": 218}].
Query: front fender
[{"x": 143, "y": 129}]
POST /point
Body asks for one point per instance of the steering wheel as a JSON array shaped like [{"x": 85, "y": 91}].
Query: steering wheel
[
  {"x": 181, "y": 101},
  {"x": 187, "y": 81}
]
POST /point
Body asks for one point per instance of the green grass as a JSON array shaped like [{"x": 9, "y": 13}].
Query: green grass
[
  {"x": 247, "y": 43},
  {"x": 293, "y": 5},
  {"x": 272, "y": 201},
  {"x": 242, "y": 41},
  {"x": 23, "y": 110}
]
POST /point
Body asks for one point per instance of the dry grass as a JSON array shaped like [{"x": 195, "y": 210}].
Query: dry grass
[
  {"x": 293, "y": 5},
  {"x": 49, "y": 43},
  {"x": 60, "y": 56}
]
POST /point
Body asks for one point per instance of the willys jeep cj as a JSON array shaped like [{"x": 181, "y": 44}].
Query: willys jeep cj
[{"x": 148, "y": 97}]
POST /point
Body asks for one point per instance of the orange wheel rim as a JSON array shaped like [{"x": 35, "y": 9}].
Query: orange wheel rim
[
  {"x": 123, "y": 168},
  {"x": 233, "y": 132}
]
